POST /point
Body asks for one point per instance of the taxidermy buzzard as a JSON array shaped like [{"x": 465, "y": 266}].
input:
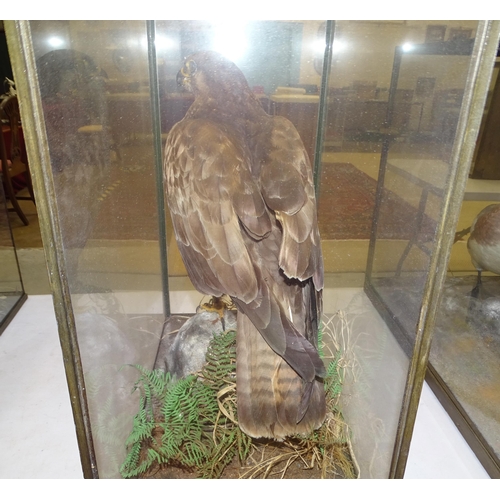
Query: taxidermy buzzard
[{"x": 241, "y": 197}]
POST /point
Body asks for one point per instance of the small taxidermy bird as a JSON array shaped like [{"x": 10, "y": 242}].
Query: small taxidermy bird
[
  {"x": 484, "y": 243},
  {"x": 242, "y": 201}
]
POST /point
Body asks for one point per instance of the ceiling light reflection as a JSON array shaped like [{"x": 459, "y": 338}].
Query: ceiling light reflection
[
  {"x": 164, "y": 42},
  {"x": 55, "y": 41},
  {"x": 230, "y": 39},
  {"x": 319, "y": 47},
  {"x": 338, "y": 46}
]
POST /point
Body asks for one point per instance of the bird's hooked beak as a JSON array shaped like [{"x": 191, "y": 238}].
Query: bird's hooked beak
[
  {"x": 180, "y": 79},
  {"x": 185, "y": 74}
]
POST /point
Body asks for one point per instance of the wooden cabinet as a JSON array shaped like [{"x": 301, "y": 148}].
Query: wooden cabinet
[{"x": 487, "y": 156}]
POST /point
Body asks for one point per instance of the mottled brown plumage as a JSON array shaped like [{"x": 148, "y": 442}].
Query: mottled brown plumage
[{"x": 240, "y": 193}]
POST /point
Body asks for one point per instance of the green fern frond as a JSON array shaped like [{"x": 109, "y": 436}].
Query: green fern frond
[
  {"x": 221, "y": 359},
  {"x": 334, "y": 379},
  {"x": 129, "y": 467},
  {"x": 141, "y": 432}
]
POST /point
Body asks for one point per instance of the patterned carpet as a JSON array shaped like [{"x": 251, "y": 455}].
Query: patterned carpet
[
  {"x": 347, "y": 202},
  {"x": 128, "y": 210}
]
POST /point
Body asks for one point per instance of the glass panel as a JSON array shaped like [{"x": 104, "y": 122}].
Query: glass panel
[
  {"x": 427, "y": 88},
  {"x": 392, "y": 115},
  {"x": 465, "y": 351},
  {"x": 94, "y": 84}
]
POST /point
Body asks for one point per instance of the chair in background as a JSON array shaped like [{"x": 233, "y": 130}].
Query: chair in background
[{"x": 12, "y": 162}]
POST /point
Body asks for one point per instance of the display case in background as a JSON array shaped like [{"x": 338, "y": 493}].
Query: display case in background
[
  {"x": 98, "y": 98},
  {"x": 12, "y": 294}
]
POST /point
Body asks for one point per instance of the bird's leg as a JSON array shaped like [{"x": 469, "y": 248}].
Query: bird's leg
[
  {"x": 475, "y": 291},
  {"x": 219, "y": 305},
  {"x": 474, "y": 296}
]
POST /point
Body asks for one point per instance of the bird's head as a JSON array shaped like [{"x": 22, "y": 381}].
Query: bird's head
[{"x": 209, "y": 73}]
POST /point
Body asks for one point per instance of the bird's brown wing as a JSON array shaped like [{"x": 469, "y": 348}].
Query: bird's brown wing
[
  {"x": 288, "y": 189},
  {"x": 210, "y": 192}
]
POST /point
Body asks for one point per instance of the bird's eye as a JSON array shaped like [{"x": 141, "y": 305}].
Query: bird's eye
[{"x": 189, "y": 68}]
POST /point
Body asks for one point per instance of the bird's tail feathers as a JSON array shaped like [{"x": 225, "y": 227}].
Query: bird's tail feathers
[
  {"x": 302, "y": 356},
  {"x": 273, "y": 399}
]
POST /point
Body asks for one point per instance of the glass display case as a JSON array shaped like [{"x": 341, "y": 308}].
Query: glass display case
[
  {"x": 388, "y": 127},
  {"x": 12, "y": 295}
]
